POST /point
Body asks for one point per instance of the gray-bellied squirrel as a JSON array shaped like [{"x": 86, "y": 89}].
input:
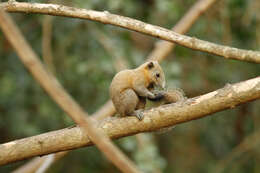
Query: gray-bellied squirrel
[{"x": 130, "y": 88}]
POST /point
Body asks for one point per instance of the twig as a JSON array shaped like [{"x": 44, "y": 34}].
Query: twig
[
  {"x": 36, "y": 163},
  {"x": 46, "y": 164},
  {"x": 106, "y": 110},
  {"x": 108, "y": 44},
  {"x": 163, "y": 48},
  {"x": 56, "y": 91},
  {"x": 135, "y": 25},
  {"x": 154, "y": 119},
  {"x": 46, "y": 43}
]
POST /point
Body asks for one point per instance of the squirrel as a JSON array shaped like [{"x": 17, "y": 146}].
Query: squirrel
[{"x": 130, "y": 88}]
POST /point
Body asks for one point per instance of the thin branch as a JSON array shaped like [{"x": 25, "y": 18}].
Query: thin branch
[
  {"x": 58, "y": 93},
  {"x": 108, "y": 44},
  {"x": 46, "y": 164},
  {"x": 36, "y": 163},
  {"x": 32, "y": 166},
  {"x": 163, "y": 48},
  {"x": 154, "y": 119},
  {"x": 135, "y": 25},
  {"x": 46, "y": 43},
  {"x": 106, "y": 110}
]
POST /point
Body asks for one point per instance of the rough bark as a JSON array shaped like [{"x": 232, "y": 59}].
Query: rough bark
[
  {"x": 135, "y": 25},
  {"x": 154, "y": 119}
]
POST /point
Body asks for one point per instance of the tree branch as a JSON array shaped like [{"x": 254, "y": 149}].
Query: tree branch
[
  {"x": 154, "y": 119},
  {"x": 36, "y": 163},
  {"x": 61, "y": 97},
  {"x": 135, "y": 25},
  {"x": 47, "y": 43},
  {"x": 163, "y": 48}
]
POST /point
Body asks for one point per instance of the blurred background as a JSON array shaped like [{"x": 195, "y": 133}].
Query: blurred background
[{"x": 84, "y": 56}]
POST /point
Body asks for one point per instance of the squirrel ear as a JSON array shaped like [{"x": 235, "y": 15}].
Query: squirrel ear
[{"x": 150, "y": 65}]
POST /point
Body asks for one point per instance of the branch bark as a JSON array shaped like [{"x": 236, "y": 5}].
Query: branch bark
[
  {"x": 60, "y": 96},
  {"x": 154, "y": 119},
  {"x": 135, "y": 25}
]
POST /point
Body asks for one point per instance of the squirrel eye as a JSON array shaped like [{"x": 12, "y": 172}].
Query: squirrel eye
[{"x": 157, "y": 74}]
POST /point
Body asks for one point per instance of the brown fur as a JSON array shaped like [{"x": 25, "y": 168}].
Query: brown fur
[
  {"x": 130, "y": 88},
  {"x": 170, "y": 95}
]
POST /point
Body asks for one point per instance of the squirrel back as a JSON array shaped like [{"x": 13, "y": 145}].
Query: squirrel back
[{"x": 147, "y": 74}]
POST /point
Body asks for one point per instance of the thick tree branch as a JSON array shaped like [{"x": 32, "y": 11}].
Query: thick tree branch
[
  {"x": 61, "y": 97},
  {"x": 156, "y": 118},
  {"x": 135, "y": 25}
]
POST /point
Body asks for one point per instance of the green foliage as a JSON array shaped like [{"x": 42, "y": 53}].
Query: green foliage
[{"x": 85, "y": 68}]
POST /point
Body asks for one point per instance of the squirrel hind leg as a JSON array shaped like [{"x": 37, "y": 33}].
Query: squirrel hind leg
[
  {"x": 130, "y": 102},
  {"x": 127, "y": 103},
  {"x": 141, "y": 103},
  {"x": 140, "y": 108}
]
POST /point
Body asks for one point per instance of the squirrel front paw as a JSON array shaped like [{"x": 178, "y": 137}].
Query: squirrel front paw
[
  {"x": 151, "y": 95},
  {"x": 157, "y": 96}
]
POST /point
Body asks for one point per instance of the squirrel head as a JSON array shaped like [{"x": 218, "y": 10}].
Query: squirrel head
[{"x": 155, "y": 73}]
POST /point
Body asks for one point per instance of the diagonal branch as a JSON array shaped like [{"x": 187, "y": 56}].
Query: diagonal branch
[
  {"x": 135, "y": 25},
  {"x": 60, "y": 96},
  {"x": 163, "y": 48},
  {"x": 163, "y": 116}
]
